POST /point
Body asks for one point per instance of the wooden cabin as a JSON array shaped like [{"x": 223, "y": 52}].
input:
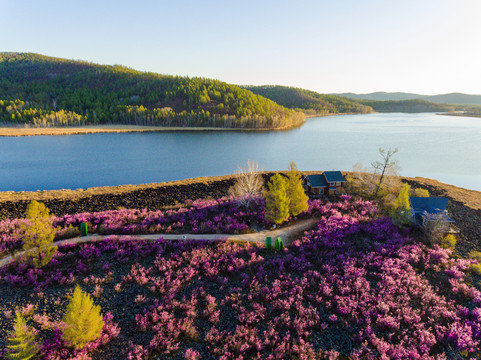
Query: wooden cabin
[{"x": 327, "y": 183}]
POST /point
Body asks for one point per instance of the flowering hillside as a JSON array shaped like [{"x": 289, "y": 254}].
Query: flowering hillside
[{"x": 355, "y": 286}]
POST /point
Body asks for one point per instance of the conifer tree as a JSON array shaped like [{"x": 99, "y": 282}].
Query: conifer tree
[
  {"x": 83, "y": 320},
  {"x": 401, "y": 207},
  {"x": 298, "y": 200},
  {"x": 38, "y": 235},
  {"x": 277, "y": 202},
  {"x": 22, "y": 343}
]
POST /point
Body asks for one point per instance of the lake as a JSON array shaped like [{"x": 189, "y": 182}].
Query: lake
[{"x": 439, "y": 147}]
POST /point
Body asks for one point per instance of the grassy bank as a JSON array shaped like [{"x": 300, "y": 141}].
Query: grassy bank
[{"x": 92, "y": 129}]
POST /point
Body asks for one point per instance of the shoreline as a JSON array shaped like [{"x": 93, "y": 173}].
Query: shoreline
[
  {"x": 95, "y": 129},
  {"x": 15, "y": 131},
  {"x": 460, "y": 114},
  {"x": 308, "y": 116}
]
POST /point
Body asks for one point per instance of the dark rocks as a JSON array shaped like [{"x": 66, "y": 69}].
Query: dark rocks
[{"x": 151, "y": 198}]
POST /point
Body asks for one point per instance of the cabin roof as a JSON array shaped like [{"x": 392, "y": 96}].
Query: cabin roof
[
  {"x": 317, "y": 181},
  {"x": 334, "y": 176},
  {"x": 432, "y": 205}
]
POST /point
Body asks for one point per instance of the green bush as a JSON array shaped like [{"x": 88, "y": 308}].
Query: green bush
[
  {"x": 421, "y": 193},
  {"x": 476, "y": 255},
  {"x": 449, "y": 242},
  {"x": 401, "y": 209},
  {"x": 21, "y": 344},
  {"x": 83, "y": 320}
]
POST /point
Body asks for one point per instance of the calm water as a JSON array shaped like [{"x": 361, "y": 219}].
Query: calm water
[{"x": 439, "y": 147}]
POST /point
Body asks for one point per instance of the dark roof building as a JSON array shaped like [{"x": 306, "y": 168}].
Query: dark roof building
[
  {"x": 428, "y": 209},
  {"x": 317, "y": 181},
  {"x": 334, "y": 176}
]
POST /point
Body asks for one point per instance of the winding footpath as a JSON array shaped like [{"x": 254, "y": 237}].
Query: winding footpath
[{"x": 287, "y": 234}]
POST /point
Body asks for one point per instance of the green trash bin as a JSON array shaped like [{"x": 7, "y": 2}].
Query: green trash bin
[
  {"x": 268, "y": 243},
  {"x": 83, "y": 229},
  {"x": 279, "y": 245}
]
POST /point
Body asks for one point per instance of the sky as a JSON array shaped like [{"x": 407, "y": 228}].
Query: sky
[{"x": 421, "y": 46}]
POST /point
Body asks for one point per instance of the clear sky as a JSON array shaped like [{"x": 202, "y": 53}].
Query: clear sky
[{"x": 422, "y": 46}]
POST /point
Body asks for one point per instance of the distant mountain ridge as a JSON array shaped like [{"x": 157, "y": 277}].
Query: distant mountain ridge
[
  {"x": 451, "y": 98},
  {"x": 307, "y": 101}
]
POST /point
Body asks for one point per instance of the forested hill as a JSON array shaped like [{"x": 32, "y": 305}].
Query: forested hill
[
  {"x": 407, "y": 106},
  {"x": 45, "y": 91},
  {"x": 308, "y": 101}
]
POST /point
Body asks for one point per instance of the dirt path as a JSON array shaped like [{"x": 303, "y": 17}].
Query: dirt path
[{"x": 287, "y": 234}]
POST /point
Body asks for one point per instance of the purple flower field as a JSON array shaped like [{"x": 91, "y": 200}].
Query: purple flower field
[
  {"x": 353, "y": 287},
  {"x": 221, "y": 216}
]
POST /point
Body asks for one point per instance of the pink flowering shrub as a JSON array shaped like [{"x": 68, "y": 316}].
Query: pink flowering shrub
[{"x": 355, "y": 286}]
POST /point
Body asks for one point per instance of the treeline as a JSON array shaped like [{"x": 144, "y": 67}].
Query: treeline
[
  {"x": 307, "y": 101},
  {"x": 46, "y": 91},
  {"x": 407, "y": 106}
]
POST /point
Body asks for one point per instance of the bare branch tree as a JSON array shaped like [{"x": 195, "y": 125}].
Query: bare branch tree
[
  {"x": 382, "y": 175},
  {"x": 249, "y": 182},
  {"x": 387, "y": 166}
]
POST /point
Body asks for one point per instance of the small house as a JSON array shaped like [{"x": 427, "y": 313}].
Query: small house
[
  {"x": 327, "y": 183},
  {"x": 429, "y": 210}
]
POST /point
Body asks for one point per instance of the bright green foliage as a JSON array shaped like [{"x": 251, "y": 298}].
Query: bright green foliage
[
  {"x": 476, "y": 255},
  {"x": 401, "y": 207},
  {"x": 277, "y": 202},
  {"x": 38, "y": 235},
  {"x": 298, "y": 200},
  {"x": 83, "y": 319},
  {"x": 22, "y": 343},
  {"x": 449, "y": 242},
  {"x": 421, "y": 193}
]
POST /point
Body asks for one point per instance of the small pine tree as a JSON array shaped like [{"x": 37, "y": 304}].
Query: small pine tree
[
  {"x": 22, "y": 343},
  {"x": 298, "y": 200},
  {"x": 83, "y": 320},
  {"x": 401, "y": 207},
  {"x": 421, "y": 193},
  {"x": 277, "y": 202},
  {"x": 38, "y": 235}
]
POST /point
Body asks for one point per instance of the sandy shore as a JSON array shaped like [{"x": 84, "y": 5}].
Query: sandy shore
[{"x": 92, "y": 129}]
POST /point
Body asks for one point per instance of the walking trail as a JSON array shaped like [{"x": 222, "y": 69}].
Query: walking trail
[{"x": 287, "y": 234}]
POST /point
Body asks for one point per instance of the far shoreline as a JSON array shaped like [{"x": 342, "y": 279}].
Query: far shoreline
[
  {"x": 95, "y": 129},
  {"x": 16, "y": 131}
]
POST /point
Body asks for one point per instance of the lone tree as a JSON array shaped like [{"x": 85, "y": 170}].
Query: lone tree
[
  {"x": 22, "y": 344},
  {"x": 384, "y": 167},
  {"x": 83, "y": 320},
  {"x": 249, "y": 182},
  {"x": 298, "y": 200},
  {"x": 380, "y": 176},
  {"x": 38, "y": 235},
  {"x": 277, "y": 201}
]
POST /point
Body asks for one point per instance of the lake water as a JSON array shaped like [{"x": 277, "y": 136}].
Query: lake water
[{"x": 440, "y": 147}]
